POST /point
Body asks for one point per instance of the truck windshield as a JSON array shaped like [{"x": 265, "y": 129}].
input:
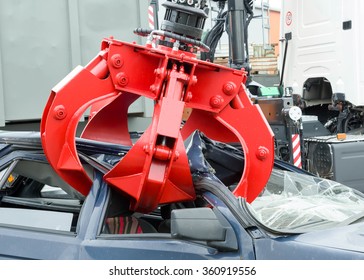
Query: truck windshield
[{"x": 298, "y": 202}]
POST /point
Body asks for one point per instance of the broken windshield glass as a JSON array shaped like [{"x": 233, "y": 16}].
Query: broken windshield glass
[{"x": 294, "y": 201}]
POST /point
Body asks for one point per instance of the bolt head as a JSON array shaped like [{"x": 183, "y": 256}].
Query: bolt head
[
  {"x": 122, "y": 79},
  {"x": 158, "y": 72},
  {"x": 216, "y": 101},
  {"x": 188, "y": 97},
  {"x": 146, "y": 149},
  {"x": 59, "y": 112},
  {"x": 194, "y": 80},
  {"x": 176, "y": 155},
  {"x": 262, "y": 153},
  {"x": 153, "y": 88},
  {"x": 117, "y": 61},
  {"x": 229, "y": 88}
]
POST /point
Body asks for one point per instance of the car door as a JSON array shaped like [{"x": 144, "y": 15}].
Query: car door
[
  {"x": 178, "y": 244},
  {"x": 37, "y": 221}
]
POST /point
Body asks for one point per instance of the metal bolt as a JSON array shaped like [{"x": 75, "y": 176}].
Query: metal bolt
[
  {"x": 188, "y": 97},
  {"x": 122, "y": 79},
  {"x": 216, "y": 101},
  {"x": 194, "y": 80},
  {"x": 229, "y": 88},
  {"x": 158, "y": 72},
  {"x": 59, "y": 112},
  {"x": 117, "y": 61},
  {"x": 153, "y": 88},
  {"x": 146, "y": 149},
  {"x": 262, "y": 153},
  {"x": 176, "y": 155}
]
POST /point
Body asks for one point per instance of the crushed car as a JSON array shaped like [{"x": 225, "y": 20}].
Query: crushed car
[
  {"x": 173, "y": 193},
  {"x": 297, "y": 215}
]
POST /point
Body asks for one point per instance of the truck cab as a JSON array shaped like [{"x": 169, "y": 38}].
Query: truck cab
[{"x": 324, "y": 61}]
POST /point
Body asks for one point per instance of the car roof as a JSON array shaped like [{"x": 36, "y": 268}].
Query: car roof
[{"x": 33, "y": 139}]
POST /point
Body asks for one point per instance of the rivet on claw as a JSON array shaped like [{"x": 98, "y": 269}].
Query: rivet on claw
[
  {"x": 158, "y": 72},
  {"x": 59, "y": 112},
  {"x": 122, "y": 79},
  {"x": 262, "y": 153},
  {"x": 117, "y": 61},
  {"x": 188, "y": 97},
  {"x": 216, "y": 101},
  {"x": 146, "y": 149},
  {"x": 153, "y": 88},
  {"x": 229, "y": 88}
]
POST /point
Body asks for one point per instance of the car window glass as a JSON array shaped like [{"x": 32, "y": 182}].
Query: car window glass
[
  {"x": 294, "y": 201},
  {"x": 33, "y": 196}
]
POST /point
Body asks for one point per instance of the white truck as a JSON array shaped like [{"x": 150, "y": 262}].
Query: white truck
[
  {"x": 325, "y": 59},
  {"x": 322, "y": 58}
]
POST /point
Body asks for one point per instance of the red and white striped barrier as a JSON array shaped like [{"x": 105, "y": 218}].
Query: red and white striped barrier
[
  {"x": 151, "y": 16},
  {"x": 296, "y": 149}
]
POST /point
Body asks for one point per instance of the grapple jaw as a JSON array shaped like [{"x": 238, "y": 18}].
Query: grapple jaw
[{"x": 156, "y": 169}]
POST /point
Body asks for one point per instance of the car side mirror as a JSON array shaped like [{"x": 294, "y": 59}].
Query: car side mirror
[{"x": 204, "y": 224}]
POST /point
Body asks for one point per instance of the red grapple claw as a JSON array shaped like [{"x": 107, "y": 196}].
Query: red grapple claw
[{"x": 156, "y": 169}]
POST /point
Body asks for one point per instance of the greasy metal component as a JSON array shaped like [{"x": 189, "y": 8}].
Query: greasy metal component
[{"x": 156, "y": 169}]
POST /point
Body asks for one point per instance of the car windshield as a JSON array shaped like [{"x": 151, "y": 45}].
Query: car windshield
[{"x": 299, "y": 202}]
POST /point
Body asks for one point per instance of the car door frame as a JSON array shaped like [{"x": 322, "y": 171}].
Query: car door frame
[{"x": 157, "y": 245}]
